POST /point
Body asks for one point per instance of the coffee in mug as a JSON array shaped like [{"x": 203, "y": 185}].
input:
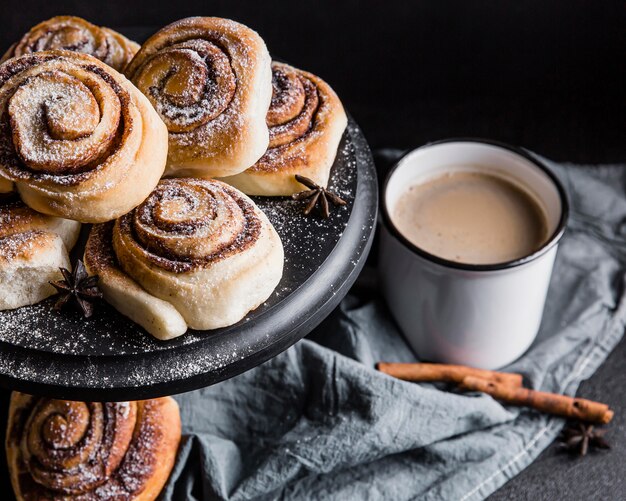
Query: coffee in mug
[
  {"x": 469, "y": 236},
  {"x": 471, "y": 217}
]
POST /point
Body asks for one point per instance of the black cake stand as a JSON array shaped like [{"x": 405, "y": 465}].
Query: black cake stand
[{"x": 110, "y": 358}]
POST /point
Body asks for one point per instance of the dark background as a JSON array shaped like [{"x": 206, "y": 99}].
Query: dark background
[{"x": 547, "y": 75}]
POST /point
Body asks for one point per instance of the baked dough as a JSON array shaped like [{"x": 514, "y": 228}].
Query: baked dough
[
  {"x": 306, "y": 121},
  {"x": 61, "y": 449},
  {"x": 210, "y": 81},
  {"x": 77, "y": 138},
  {"x": 76, "y": 34},
  {"x": 6, "y": 186},
  {"x": 197, "y": 253},
  {"x": 32, "y": 249}
]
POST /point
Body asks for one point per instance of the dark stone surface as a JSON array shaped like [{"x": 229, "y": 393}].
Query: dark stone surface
[
  {"x": 550, "y": 76},
  {"x": 600, "y": 474}
]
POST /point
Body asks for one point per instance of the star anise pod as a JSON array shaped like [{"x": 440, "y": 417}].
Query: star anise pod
[
  {"x": 79, "y": 286},
  {"x": 315, "y": 194},
  {"x": 580, "y": 437}
]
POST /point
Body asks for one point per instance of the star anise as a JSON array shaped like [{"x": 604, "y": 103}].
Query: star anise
[
  {"x": 79, "y": 286},
  {"x": 315, "y": 194},
  {"x": 580, "y": 437}
]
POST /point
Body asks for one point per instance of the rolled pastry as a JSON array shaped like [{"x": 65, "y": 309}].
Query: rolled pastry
[
  {"x": 197, "y": 253},
  {"x": 6, "y": 186},
  {"x": 306, "y": 121},
  {"x": 60, "y": 449},
  {"x": 32, "y": 249},
  {"x": 210, "y": 81},
  {"x": 76, "y": 34},
  {"x": 77, "y": 138}
]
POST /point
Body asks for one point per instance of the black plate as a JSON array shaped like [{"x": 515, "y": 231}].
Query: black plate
[{"x": 110, "y": 358}]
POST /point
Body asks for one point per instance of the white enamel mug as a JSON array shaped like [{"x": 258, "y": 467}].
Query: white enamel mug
[{"x": 484, "y": 315}]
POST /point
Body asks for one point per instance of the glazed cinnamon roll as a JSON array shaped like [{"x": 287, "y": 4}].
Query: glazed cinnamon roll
[
  {"x": 77, "y": 138},
  {"x": 32, "y": 249},
  {"x": 76, "y": 34},
  {"x": 59, "y": 449},
  {"x": 197, "y": 253},
  {"x": 210, "y": 81},
  {"x": 306, "y": 121}
]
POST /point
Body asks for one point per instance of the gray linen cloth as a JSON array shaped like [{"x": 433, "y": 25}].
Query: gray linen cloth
[{"x": 318, "y": 422}]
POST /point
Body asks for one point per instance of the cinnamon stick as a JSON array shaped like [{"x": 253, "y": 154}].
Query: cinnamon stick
[
  {"x": 552, "y": 403},
  {"x": 423, "y": 372}
]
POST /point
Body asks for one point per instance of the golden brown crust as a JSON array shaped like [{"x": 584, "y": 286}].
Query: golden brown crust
[
  {"x": 122, "y": 49},
  {"x": 76, "y": 136},
  {"x": 16, "y": 218},
  {"x": 25, "y": 246},
  {"x": 187, "y": 224},
  {"x": 158, "y": 317},
  {"x": 32, "y": 248},
  {"x": 196, "y": 253},
  {"x": 210, "y": 81},
  {"x": 76, "y": 34},
  {"x": 6, "y": 186},
  {"x": 91, "y": 450},
  {"x": 306, "y": 121}
]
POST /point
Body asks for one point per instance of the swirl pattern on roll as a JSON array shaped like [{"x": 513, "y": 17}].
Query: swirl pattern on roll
[
  {"x": 202, "y": 251},
  {"x": 306, "y": 121},
  {"x": 76, "y": 34},
  {"x": 72, "y": 134},
  {"x": 187, "y": 225},
  {"x": 210, "y": 81},
  {"x": 198, "y": 91},
  {"x": 91, "y": 450},
  {"x": 294, "y": 103}
]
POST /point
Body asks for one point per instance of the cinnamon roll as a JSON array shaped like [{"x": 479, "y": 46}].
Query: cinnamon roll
[
  {"x": 306, "y": 121},
  {"x": 59, "y": 449},
  {"x": 210, "y": 81},
  {"x": 77, "y": 138},
  {"x": 76, "y": 34},
  {"x": 197, "y": 253},
  {"x": 32, "y": 249},
  {"x": 6, "y": 186}
]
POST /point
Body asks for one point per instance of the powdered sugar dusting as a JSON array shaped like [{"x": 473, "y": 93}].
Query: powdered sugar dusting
[
  {"x": 141, "y": 360},
  {"x": 76, "y": 34},
  {"x": 102, "y": 451}
]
